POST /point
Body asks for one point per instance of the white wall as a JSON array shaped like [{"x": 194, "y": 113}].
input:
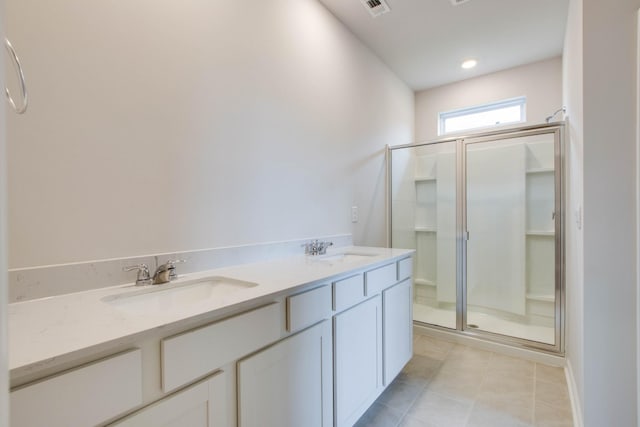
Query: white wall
[
  {"x": 602, "y": 315},
  {"x": 574, "y": 246},
  {"x": 540, "y": 82},
  {"x": 160, "y": 126},
  {"x": 609, "y": 49}
]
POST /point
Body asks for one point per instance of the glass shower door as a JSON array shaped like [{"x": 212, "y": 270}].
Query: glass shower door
[
  {"x": 484, "y": 214},
  {"x": 510, "y": 241},
  {"x": 423, "y": 217}
]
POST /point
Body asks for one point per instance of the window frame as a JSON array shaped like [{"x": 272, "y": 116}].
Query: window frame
[{"x": 520, "y": 101}]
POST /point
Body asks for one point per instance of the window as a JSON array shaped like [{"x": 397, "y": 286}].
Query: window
[{"x": 483, "y": 116}]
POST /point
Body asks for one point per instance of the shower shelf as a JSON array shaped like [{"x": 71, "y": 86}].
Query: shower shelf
[
  {"x": 541, "y": 233},
  {"x": 541, "y": 297},
  {"x": 426, "y": 230},
  {"x": 424, "y": 282},
  {"x": 424, "y": 178},
  {"x": 540, "y": 170}
]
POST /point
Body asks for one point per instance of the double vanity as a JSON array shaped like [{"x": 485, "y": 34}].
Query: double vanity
[{"x": 298, "y": 341}]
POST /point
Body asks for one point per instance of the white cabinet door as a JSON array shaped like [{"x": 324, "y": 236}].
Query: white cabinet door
[
  {"x": 84, "y": 396},
  {"x": 358, "y": 359},
  {"x": 397, "y": 329},
  {"x": 201, "y": 405},
  {"x": 290, "y": 383}
]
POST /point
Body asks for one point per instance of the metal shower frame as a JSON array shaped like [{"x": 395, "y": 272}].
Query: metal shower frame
[{"x": 558, "y": 130}]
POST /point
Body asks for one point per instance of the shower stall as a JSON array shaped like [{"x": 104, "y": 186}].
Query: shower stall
[{"x": 484, "y": 214}]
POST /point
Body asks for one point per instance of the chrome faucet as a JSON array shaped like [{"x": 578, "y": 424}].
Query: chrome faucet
[
  {"x": 166, "y": 272},
  {"x": 316, "y": 247},
  {"x": 144, "y": 277}
]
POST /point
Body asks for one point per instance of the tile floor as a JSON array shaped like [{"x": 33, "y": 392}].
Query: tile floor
[{"x": 451, "y": 385}]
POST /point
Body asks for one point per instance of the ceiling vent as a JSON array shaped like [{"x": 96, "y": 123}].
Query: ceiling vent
[
  {"x": 377, "y": 7},
  {"x": 458, "y": 2}
]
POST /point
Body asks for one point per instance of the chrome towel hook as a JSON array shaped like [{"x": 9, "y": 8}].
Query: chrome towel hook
[{"x": 23, "y": 85}]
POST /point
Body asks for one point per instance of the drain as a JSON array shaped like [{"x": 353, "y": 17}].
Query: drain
[{"x": 471, "y": 325}]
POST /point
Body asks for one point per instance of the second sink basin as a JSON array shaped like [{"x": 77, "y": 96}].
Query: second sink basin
[
  {"x": 345, "y": 257},
  {"x": 171, "y": 297}
]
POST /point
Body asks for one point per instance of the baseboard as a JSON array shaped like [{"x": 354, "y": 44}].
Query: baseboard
[{"x": 576, "y": 406}]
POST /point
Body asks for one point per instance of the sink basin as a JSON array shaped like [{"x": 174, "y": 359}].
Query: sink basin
[
  {"x": 172, "y": 297},
  {"x": 345, "y": 257}
]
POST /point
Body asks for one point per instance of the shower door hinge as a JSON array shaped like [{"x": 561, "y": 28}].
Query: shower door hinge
[{"x": 466, "y": 235}]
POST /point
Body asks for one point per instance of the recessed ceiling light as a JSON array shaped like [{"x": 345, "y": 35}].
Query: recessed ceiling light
[{"x": 469, "y": 63}]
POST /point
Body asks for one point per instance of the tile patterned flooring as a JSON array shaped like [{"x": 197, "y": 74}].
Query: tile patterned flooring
[{"x": 451, "y": 385}]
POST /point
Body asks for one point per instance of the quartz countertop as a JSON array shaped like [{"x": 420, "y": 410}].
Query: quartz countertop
[{"x": 45, "y": 331}]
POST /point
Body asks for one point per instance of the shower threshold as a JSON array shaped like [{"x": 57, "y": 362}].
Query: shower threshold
[{"x": 485, "y": 322}]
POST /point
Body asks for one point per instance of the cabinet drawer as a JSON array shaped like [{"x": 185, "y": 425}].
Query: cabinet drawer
[
  {"x": 380, "y": 278},
  {"x": 85, "y": 396},
  {"x": 348, "y": 292},
  {"x": 405, "y": 268},
  {"x": 193, "y": 354},
  {"x": 308, "y": 307},
  {"x": 202, "y": 404}
]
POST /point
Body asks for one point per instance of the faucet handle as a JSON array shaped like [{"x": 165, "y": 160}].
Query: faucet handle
[
  {"x": 144, "y": 277},
  {"x": 322, "y": 248},
  {"x": 311, "y": 248},
  {"x": 171, "y": 265},
  {"x": 307, "y": 248}
]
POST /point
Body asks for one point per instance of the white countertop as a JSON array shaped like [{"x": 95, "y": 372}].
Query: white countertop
[{"x": 42, "y": 331}]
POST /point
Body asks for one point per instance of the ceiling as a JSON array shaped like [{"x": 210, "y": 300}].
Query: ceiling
[{"x": 425, "y": 41}]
